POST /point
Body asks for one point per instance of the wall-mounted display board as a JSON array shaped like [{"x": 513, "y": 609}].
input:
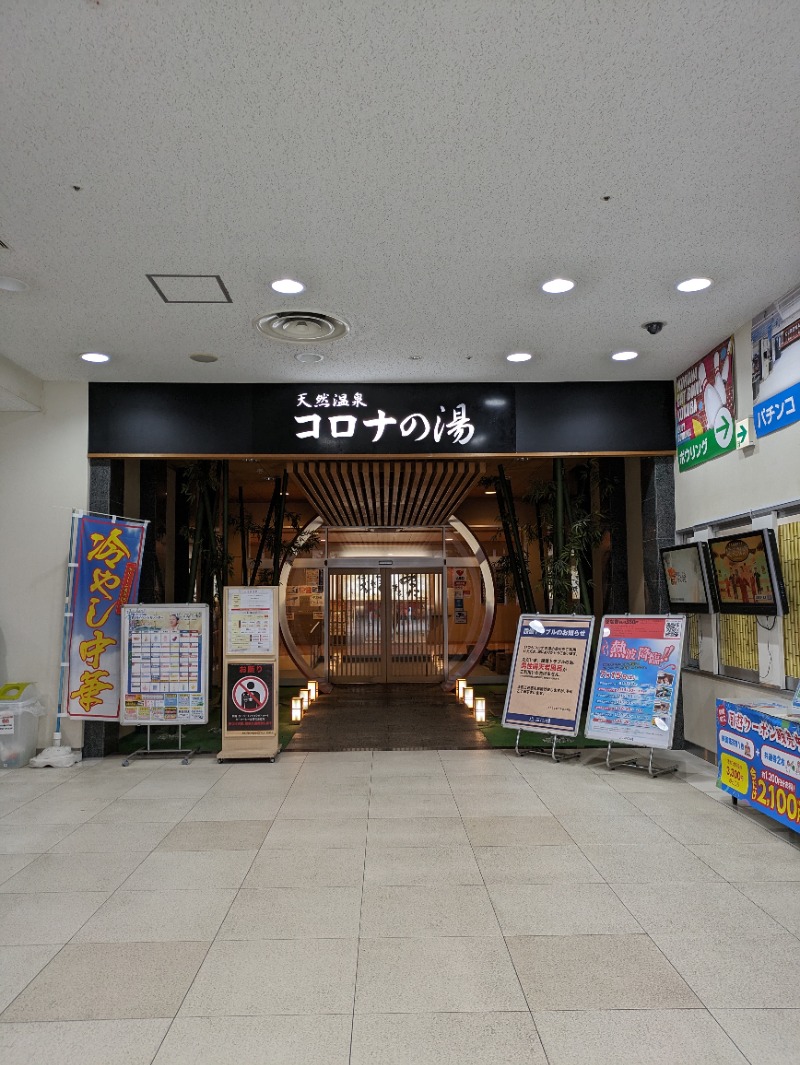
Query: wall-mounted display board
[
  {"x": 249, "y": 709},
  {"x": 687, "y": 571},
  {"x": 165, "y": 664},
  {"x": 775, "y": 337},
  {"x": 705, "y": 408},
  {"x": 548, "y": 674},
  {"x": 636, "y": 679},
  {"x": 746, "y": 570},
  {"x": 758, "y": 758},
  {"x": 250, "y": 620}
]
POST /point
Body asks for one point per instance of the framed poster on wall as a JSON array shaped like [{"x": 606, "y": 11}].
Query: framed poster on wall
[
  {"x": 250, "y": 620},
  {"x": 165, "y": 664},
  {"x": 636, "y": 680},
  {"x": 548, "y": 674},
  {"x": 705, "y": 408}
]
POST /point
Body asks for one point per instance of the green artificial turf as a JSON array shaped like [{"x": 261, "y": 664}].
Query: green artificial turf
[
  {"x": 206, "y": 739},
  {"x": 498, "y": 736}
]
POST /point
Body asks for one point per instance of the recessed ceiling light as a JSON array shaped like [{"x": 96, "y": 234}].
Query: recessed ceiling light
[
  {"x": 557, "y": 285},
  {"x": 309, "y": 356},
  {"x": 694, "y": 284},
  {"x": 288, "y": 286},
  {"x": 94, "y": 356},
  {"x": 490, "y": 492},
  {"x": 12, "y": 284},
  {"x": 625, "y": 356},
  {"x": 519, "y": 356},
  {"x": 201, "y": 357}
]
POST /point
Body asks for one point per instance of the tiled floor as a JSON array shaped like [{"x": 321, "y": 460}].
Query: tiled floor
[{"x": 393, "y": 908}]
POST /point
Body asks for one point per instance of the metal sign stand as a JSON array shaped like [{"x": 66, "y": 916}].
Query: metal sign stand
[
  {"x": 633, "y": 764},
  {"x": 184, "y": 753},
  {"x": 544, "y": 752}
]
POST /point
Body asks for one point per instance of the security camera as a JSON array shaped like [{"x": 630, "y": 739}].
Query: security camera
[{"x": 653, "y": 327}]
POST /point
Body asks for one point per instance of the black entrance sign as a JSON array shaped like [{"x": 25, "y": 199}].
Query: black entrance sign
[{"x": 395, "y": 419}]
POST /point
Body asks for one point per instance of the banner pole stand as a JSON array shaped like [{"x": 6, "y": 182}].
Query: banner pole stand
[
  {"x": 633, "y": 764},
  {"x": 565, "y": 756},
  {"x": 184, "y": 753}
]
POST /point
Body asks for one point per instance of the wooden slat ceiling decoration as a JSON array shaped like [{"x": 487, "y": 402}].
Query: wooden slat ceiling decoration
[{"x": 386, "y": 493}]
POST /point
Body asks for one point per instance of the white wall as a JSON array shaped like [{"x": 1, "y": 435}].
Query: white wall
[
  {"x": 737, "y": 483},
  {"x": 43, "y": 475}
]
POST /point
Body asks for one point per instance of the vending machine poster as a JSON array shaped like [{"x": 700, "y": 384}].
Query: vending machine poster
[
  {"x": 249, "y": 697},
  {"x": 758, "y": 755},
  {"x": 548, "y": 674},
  {"x": 165, "y": 655},
  {"x": 636, "y": 680}
]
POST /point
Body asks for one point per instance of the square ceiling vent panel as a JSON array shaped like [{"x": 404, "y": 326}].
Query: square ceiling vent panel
[{"x": 190, "y": 288}]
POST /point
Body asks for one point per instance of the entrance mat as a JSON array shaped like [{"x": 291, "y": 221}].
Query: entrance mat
[{"x": 387, "y": 717}]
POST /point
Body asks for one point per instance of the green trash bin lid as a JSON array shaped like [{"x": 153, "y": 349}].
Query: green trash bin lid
[{"x": 13, "y": 692}]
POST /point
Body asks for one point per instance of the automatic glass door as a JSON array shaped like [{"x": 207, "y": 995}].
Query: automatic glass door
[{"x": 385, "y": 626}]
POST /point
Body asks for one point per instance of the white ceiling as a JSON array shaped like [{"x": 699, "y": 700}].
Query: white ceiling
[{"x": 423, "y": 166}]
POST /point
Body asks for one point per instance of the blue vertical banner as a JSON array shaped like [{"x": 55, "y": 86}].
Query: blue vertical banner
[{"x": 107, "y": 562}]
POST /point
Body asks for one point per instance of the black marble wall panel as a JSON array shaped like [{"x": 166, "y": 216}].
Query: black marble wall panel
[{"x": 658, "y": 530}]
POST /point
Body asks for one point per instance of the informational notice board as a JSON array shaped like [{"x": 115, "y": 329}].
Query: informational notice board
[
  {"x": 250, "y": 620},
  {"x": 250, "y": 673},
  {"x": 758, "y": 759},
  {"x": 636, "y": 679},
  {"x": 249, "y": 697},
  {"x": 165, "y": 664},
  {"x": 548, "y": 674}
]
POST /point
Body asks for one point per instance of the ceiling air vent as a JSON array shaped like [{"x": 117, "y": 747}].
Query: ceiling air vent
[{"x": 301, "y": 327}]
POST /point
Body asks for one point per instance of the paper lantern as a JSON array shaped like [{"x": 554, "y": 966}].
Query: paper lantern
[
  {"x": 297, "y": 708},
  {"x": 480, "y": 708},
  {"x": 304, "y": 698},
  {"x": 313, "y": 690},
  {"x": 460, "y": 686},
  {"x": 469, "y": 697}
]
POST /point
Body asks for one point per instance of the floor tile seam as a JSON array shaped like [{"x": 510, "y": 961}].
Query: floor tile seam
[
  {"x": 505, "y": 940},
  {"x": 360, "y": 915},
  {"x": 89, "y": 890},
  {"x": 678, "y": 973},
  {"x": 685, "y": 846},
  {"x": 35, "y": 975},
  {"x": 653, "y": 884},
  {"x": 111, "y": 894},
  {"x": 729, "y": 1035}
]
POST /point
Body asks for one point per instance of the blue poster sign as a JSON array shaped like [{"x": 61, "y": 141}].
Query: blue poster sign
[
  {"x": 775, "y": 337},
  {"x": 758, "y": 759},
  {"x": 108, "y": 560},
  {"x": 636, "y": 679}
]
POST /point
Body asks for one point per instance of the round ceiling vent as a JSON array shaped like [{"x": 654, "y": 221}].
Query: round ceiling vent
[{"x": 301, "y": 327}]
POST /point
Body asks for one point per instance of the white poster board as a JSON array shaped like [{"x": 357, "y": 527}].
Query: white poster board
[
  {"x": 548, "y": 674},
  {"x": 250, "y": 615},
  {"x": 636, "y": 680},
  {"x": 164, "y": 664}
]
